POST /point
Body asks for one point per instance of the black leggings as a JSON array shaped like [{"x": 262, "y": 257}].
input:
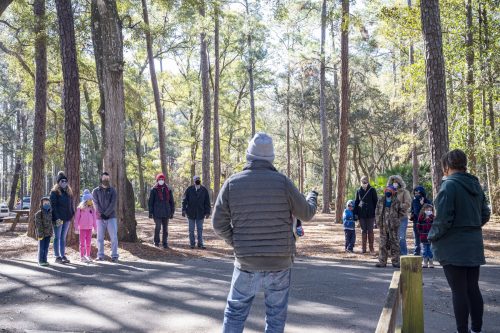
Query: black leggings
[{"x": 467, "y": 298}]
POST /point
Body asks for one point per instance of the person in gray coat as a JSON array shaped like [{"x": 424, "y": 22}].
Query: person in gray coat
[{"x": 253, "y": 214}]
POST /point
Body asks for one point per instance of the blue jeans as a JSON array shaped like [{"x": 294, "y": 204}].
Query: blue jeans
[
  {"x": 427, "y": 253},
  {"x": 199, "y": 228},
  {"x": 244, "y": 286},
  {"x": 111, "y": 226},
  {"x": 402, "y": 236},
  {"x": 60, "y": 234},
  {"x": 350, "y": 239},
  {"x": 416, "y": 234},
  {"x": 43, "y": 249}
]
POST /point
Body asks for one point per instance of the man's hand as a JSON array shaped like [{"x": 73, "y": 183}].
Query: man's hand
[
  {"x": 422, "y": 201},
  {"x": 40, "y": 238},
  {"x": 77, "y": 231},
  {"x": 59, "y": 222},
  {"x": 150, "y": 215},
  {"x": 183, "y": 213}
]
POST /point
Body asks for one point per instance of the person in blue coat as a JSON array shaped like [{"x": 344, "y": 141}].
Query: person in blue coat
[
  {"x": 419, "y": 200},
  {"x": 457, "y": 238}
]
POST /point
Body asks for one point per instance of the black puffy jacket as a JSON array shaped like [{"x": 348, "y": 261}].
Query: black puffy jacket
[{"x": 62, "y": 207}]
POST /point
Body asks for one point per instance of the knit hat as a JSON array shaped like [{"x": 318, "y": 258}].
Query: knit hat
[
  {"x": 349, "y": 203},
  {"x": 391, "y": 189},
  {"x": 87, "y": 195},
  {"x": 260, "y": 148},
  {"x": 61, "y": 176},
  {"x": 160, "y": 176}
]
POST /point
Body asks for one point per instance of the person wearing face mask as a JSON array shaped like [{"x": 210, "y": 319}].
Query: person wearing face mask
[
  {"x": 161, "y": 209},
  {"x": 196, "y": 206},
  {"x": 364, "y": 207},
  {"x": 424, "y": 224},
  {"x": 61, "y": 201},
  {"x": 419, "y": 199},
  {"x": 456, "y": 238},
  {"x": 105, "y": 203},
  {"x": 85, "y": 221},
  {"x": 43, "y": 230},
  {"x": 404, "y": 198},
  {"x": 389, "y": 212}
]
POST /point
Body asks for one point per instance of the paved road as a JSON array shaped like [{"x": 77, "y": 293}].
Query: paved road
[{"x": 189, "y": 296}]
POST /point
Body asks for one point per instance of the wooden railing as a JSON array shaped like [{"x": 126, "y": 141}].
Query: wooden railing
[{"x": 405, "y": 296}]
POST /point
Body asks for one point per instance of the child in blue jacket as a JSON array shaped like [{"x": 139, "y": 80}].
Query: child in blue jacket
[{"x": 349, "y": 226}]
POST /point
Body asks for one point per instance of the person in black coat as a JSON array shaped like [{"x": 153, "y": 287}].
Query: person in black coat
[
  {"x": 161, "y": 209},
  {"x": 196, "y": 206},
  {"x": 364, "y": 208},
  {"x": 61, "y": 201}
]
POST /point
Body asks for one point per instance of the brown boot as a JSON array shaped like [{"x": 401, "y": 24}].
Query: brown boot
[
  {"x": 364, "y": 237},
  {"x": 371, "y": 238}
]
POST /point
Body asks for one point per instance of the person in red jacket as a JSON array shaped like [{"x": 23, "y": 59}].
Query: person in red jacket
[{"x": 424, "y": 224}]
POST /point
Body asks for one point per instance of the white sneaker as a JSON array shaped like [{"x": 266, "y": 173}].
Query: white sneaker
[
  {"x": 84, "y": 259},
  {"x": 89, "y": 259},
  {"x": 431, "y": 263},
  {"x": 425, "y": 263}
]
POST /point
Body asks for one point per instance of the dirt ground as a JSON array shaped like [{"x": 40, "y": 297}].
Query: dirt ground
[{"x": 323, "y": 240}]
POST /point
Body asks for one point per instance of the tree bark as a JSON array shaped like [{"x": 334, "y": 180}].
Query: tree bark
[
  {"x": 205, "y": 83},
  {"x": 3, "y": 5},
  {"x": 156, "y": 92},
  {"x": 92, "y": 130},
  {"x": 414, "y": 152},
  {"x": 250, "y": 72},
  {"x": 325, "y": 142},
  {"x": 288, "y": 150},
  {"x": 109, "y": 27},
  {"x": 344, "y": 112},
  {"x": 436, "y": 88},
  {"x": 216, "y": 102},
  {"x": 39, "y": 131},
  {"x": 469, "y": 44}
]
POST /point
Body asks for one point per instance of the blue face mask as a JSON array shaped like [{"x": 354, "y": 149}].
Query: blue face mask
[
  {"x": 388, "y": 195},
  {"x": 46, "y": 206},
  {"x": 418, "y": 196}
]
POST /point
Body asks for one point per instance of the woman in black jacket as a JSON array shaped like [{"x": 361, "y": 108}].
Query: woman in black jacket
[
  {"x": 364, "y": 209},
  {"x": 61, "y": 200}
]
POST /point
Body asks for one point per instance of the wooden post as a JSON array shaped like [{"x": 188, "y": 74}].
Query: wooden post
[{"x": 412, "y": 295}]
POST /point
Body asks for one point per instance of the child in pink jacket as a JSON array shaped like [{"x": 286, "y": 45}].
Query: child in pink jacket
[{"x": 85, "y": 220}]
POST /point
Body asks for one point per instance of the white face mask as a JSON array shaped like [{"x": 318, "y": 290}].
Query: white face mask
[
  {"x": 161, "y": 182},
  {"x": 428, "y": 212},
  {"x": 395, "y": 185}
]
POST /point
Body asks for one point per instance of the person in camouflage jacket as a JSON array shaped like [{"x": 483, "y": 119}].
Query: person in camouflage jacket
[
  {"x": 43, "y": 230},
  {"x": 388, "y": 214}
]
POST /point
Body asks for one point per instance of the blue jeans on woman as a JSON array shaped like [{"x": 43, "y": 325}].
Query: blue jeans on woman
[
  {"x": 60, "y": 234},
  {"x": 402, "y": 236},
  {"x": 416, "y": 234},
  {"x": 244, "y": 287},
  {"x": 43, "y": 249},
  {"x": 199, "y": 229}
]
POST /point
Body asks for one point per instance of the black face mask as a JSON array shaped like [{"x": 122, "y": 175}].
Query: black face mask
[{"x": 198, "y": 182}]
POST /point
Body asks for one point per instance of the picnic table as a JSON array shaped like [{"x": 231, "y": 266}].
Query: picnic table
[{"x": 19, "y": 213}]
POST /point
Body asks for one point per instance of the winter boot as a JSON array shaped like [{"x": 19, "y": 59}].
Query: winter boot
[
  {"x": 425, "y": 263},
  {"x": 431, "y": 263},
  {"x": 371, "y": 238},
  {"x": 364, "y": 237}
]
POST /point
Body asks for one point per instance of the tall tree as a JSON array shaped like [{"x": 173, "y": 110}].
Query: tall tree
[
  {"x": 3, "y": 5},
  {"x": 250, "y": 67},
  {"x": 39, "y": 131},
  {"x": 414, "y": 152},
  {"x": 205, "y": 86},
  {"x": 344, "y": 111},
  {"x": 325, "y": 142},
  {"x": 110, "y": 42},
  {"x": 156, "y": 91},
  {"x": 436, "y": 87},
  {"x": 216, "y": 101},
  {"x": 469, "y": 43},
  {"x": 71, "y": 96}
]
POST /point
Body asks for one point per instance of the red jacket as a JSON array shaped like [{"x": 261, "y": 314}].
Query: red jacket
[{"x": 424, "y": 226}]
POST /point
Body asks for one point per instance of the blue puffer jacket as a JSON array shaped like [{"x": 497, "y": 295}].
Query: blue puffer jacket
[
  {"x": 416, "y": 206},
  {"x": 348, "y": 219}
]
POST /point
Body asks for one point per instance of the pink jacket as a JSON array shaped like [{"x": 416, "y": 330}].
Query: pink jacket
[{"x": 85, "y": 218}]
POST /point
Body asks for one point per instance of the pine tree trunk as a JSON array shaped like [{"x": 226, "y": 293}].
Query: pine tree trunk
[
  {"x": 325, "y": 142},
  {"x": 288, "y": 150},
  {"x": 15, "y": 182},
  {"x": 140, "y": 168},
  {"x": 3, "y": 5},
  {"x": 205, "y": 83},
  {"x": 436, "y": 88},
  {"x": 93, "y": 131},
  {"x": 469, "y": 44},
  {"x": 216, "y": 103},
  {"x": 344, "y": 112},
  {"x": 156, "y": 92},
  {"x": 250, "y": 72},
  {"x": 39, "y": 131},
  {"x": 414, "y": 153},
  {"x": 114, "y": 101}
]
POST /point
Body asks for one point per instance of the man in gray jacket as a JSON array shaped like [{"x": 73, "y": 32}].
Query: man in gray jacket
[{"x": 253, "y": 214}]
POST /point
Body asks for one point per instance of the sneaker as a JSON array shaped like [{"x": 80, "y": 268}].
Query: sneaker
[
  {"x": 165, "y": 246},
  {"x": 114, "y": 259},
  {"x": 203, "y": 247},
  {"x": 89, "y": 259},
  {"x": 191, "y": 246},
  {"x": 65, "y": 260},
  {"x": 84, "y": 259},
  {"x": 42, "y": 263},
  {"x": 99, "y": 259},
  {"x": 58, "y": 260},
  {"x": 431, "y": 263},
  {"x": 379, "y": 264},
  {"x": 425, "y": 263},
  {"x": 157, "y": 245},
  {"x": 395, "y": 265}
]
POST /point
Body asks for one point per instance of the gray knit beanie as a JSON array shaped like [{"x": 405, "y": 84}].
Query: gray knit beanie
[{"x": 260, "y": 148}]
